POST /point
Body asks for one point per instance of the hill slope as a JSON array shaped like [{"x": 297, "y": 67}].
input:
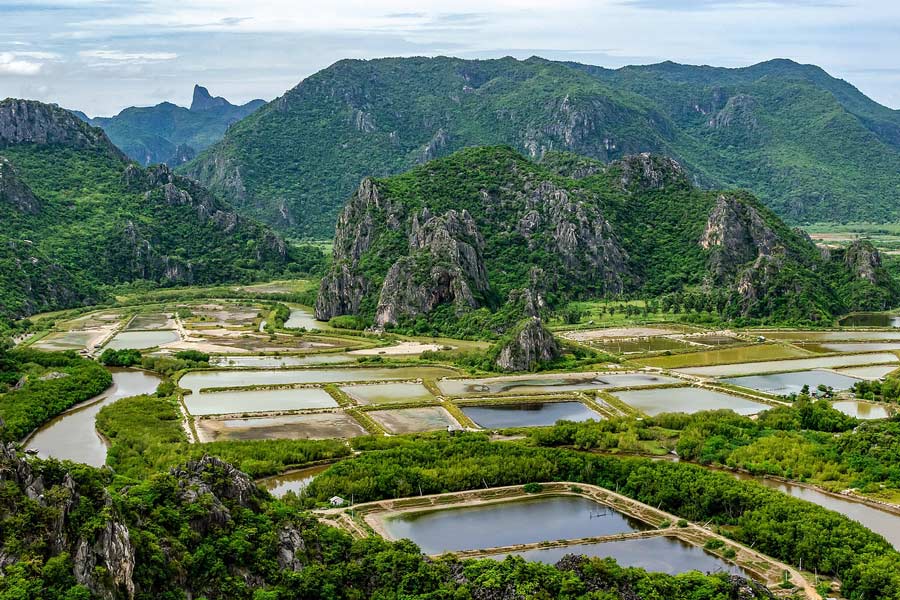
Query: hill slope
[
  {"x": 810, "y": 146},
  {"x": 484, "y": 226},
  {"x": 171, "y": 134},
  {"x": 75, "y": 214}
]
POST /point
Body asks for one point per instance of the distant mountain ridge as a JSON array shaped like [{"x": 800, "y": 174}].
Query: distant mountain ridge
[
  {"x": 76, "y": 214},
  {"x": 171, "y": 134},
  {"x": 812, "y": 147}
]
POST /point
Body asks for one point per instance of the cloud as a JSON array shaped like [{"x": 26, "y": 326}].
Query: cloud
[
  {"x": 704, "y": 5},
  {"x": 23, "y": 63},
  {"x": 119, "y": 57}
]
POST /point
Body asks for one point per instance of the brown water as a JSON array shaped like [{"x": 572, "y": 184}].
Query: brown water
[
  {"x": 72, "y": 435},
  {"x": 295, "y": 481}
]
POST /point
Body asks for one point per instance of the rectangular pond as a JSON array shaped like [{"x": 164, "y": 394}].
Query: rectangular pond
[
  {"x": 688, "y": 400},
  {"x": 660, "y": 554},
  {"x": 216, "y": 403},
  {"x": 388, "y": 393},
  {"x": 783, "y": 384},
  {"x": 141, "y": 340},
  {"x": 314, "y": 426},
  {"x": 850, "y": 346},
  {"x": 292, "y": 481},
  {"x": 280, "y": 362},
  {"x": 537, "y": 384},
  {"x": 65, "y": 340},
  {"x": 833, "y": 336},
  {"x": 870, "y": 320},
  {"x": 197, "y": 380},
  {"x": 635, "y": 346},
  {"x": 507, "y": 523},
  {"x": 769, "y": 366},
  {"x": 872, "y": 372},
  {"x": 414, "y": 420},
  {"x": 528, "y": 414},
  {"x": 149, "y": 321}
]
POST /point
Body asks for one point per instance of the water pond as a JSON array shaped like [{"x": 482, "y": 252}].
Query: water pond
[
  {"x": 280, "y": 362},
  {"x": 414, "y": 420},
  {"x": 301, "y": 317},
  {"x": 314, "y": 426},
  {"x": 820, "y": 362},
  {"x": 872, "y": 372},
  {"x": 388, "y": 393},
  {"x": 216, "y": 403},
  {"x": 550, "y": 383},
  {"x": 870, "y": 320},
  {"x": 293, "y": 481},
  {"x": 141, "y": 340},
  {"x": 149, "y": 321},
  {"x": 72, "y": 435},
  {"x": 862, "y": 410},
  {"x": 197, "y": 380},
  {"x": 660, "y": 554},
  {"x": 633, "y": 346},
  {"x": 832, "y": 336},
  {"x": 506, "y": 523},
  {"x": 65, "y": 340},
  {"x": 528, "y": 414},
  {"x": 850, "y": 346},
  {"x": 783, "y": 384},
  {"x": 687, "y": 400}
]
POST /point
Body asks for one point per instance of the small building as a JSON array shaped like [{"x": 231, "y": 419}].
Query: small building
[{"x": 336, "y": 501}]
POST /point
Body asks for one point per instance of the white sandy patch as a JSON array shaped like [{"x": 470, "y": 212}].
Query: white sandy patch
[
  {"x": 615, "y": 332},
  {"x": 401, "y": 349}
]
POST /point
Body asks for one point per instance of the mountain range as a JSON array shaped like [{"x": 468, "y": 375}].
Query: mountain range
[
  {"x": 171, "y": 134},
  {"x": 456, "y": 241},
  {"x": 811, "y": 147},
  {"x": 76, "y": 215}
]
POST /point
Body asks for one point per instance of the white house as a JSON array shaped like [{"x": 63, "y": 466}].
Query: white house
[{"x": 336, "y": 501}]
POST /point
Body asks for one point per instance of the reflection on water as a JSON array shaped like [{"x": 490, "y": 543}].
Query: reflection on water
[
  {"x": 870, "y": 320},
  {"x": 72, "y": 435},
  {"x": 687, "y": 400},
  {"x": 301, "y": 317},
  {"x": 528, "y": 414},
  {"x": 862, "y": 410},
  {"x": 279, "y": 361},
  {"x": 217, "y": 403},
  {"x": 295, "y": 481},
  {"x": 141, "y": 340},
  {"x": 661, "y": 554},
  {"x": 784, "y": 384},
  {"x": 506, "y": 523},
  {"x": 550, "y": 383}
]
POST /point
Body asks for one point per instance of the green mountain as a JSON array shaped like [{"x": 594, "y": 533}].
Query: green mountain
[
  {"x": 171, "y": 134},
  {"x": 811, "y": 147},
  {"x": 485, "y": 230},
  {"x": 75, "y": 214}
]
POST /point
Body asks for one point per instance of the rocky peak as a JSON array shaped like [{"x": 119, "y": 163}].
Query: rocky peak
[
  {"x": 358, "y": 223},
  {"x": 103, "y": 563},
  {"x": 735, "y": 235},
  {"x": 219, "y": 485},
  {"x": 531, "y": 343},
  {"x": 645, "y": 171},
  {"x": 739, "y": 111},
  {"x": 863, "y": 260},
  {"x": 203, "y": 100},
  {"x": 31, "y": 122},
  {"x": 16, "y": 192}
]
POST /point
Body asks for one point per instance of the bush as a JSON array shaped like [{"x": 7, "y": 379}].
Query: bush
[
  {"x": 533, "y": 488},
  {"x": 126, "y": 357}
]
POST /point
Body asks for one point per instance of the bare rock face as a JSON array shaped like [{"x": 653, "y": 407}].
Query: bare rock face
[
  {"x": 531, "y": 343},
  {"x": 104, "y": 563},
  {"x": 341, "y": 292},
  {"x": 31, "y": 122},
  {"x": 16, "y": 192},
  {"x": 735, "y": 235},
  {"x": 738, "y": 112},
  {"x": 645, "y": 171},
  {"x": 435, "y": 146},
  {"x": 444, "y": 265},
  {"x": 215, "y": 481},
  {"x": 863, "y": 260}
]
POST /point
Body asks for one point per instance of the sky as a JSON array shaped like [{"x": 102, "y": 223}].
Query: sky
[{"x": 100, "y": 56}]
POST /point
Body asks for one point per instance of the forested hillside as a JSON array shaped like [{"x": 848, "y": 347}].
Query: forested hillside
[
  {"x": 75, "y": 215},
  {"x": 485, "y": 229},
  {"x": 811, "y": 147}
]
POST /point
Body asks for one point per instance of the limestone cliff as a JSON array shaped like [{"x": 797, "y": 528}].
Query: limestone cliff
[
  {"x": 14, "y": 191},
  {"x": 735, "y": 235},
  {"x": 530, "y": 344}
]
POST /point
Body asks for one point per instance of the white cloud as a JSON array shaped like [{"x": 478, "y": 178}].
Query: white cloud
[
  {"x": 12, "y": 64},
  {"x": 118, "y": 56}
]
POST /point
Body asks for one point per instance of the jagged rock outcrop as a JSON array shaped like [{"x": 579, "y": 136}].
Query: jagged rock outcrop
[
  {"x": 341, "y": 292},
  {"x": 30, "y": 122},
  {"x": 736, "y": 234},
  {"x": 739, "y": 111},
  {"x": 214, "y": 482},
  {"x": 15, "y": 192},
  {"x": 645, "y": 171},
  {"x": 435, "y": 145},
  {"x": 203, "y": 100},
  {"x": 530, "y": 343},
  {"x": 444, "y": 265},
  {"x": 863, "y": 260},
  {"x": 104, "y": 562}
]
